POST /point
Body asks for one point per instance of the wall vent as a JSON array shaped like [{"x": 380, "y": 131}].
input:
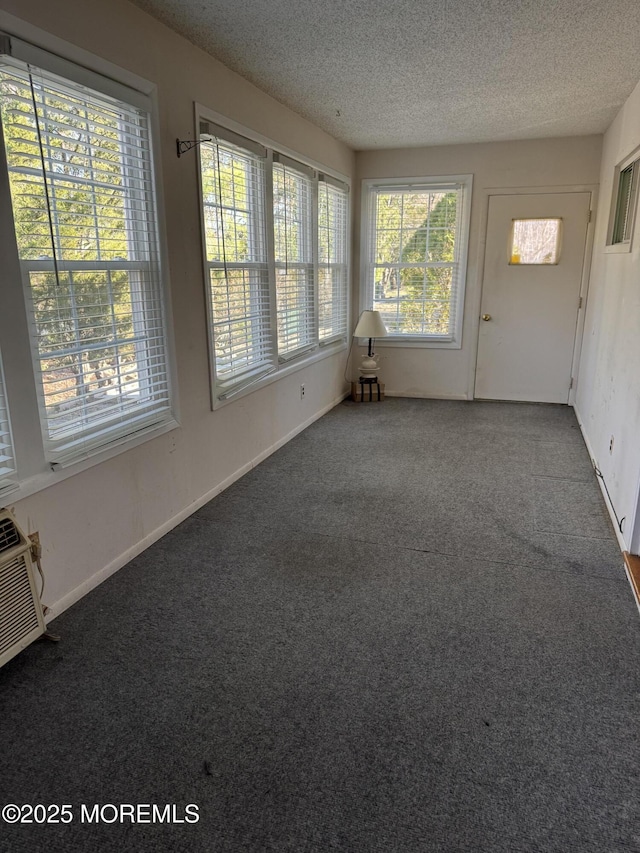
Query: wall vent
[
  {"x": 21, "y": 619},
  {"x": 9, "y": 535}
]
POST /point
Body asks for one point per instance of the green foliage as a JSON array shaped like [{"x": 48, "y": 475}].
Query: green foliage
[
  {"x": 84, "y": 319},
  {"x": 415, "y": 251}
]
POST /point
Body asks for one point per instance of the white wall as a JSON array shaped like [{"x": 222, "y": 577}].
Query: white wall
[
  {"x": 608, "y": 397},
  {"x": 92, "y": 522},
  {"x": 548, "y": 163}
]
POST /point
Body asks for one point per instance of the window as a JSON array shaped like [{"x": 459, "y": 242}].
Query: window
[
  {"x": 535, "y": 241},
  {"x": 7, "y": 463},
  {"x": 80, "y": 170},
  {"x": 414, "y": 262},
  {"x": 332, "y": 259},
  {"x": 233, "y": 198},
  {"x": 624, "y": 205},
  {"x": 276, "y": 258},
  {"x": 294, "y": 257}
]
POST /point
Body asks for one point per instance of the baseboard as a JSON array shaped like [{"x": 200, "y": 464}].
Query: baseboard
[
  {"x": 632, "y": 566},
  {"x": 415, "y": 395},
  {"x": 624, "y": 546},
  {"x": 111, "y": 568}
]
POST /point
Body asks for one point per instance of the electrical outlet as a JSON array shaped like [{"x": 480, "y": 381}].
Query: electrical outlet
[
  {"x": 36, "y": 547},
  {"x": 302, "y": 390},
  {"x": 611, "y": 445}
]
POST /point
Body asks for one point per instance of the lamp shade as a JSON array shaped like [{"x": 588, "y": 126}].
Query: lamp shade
[{"x": 370, "y": 325}]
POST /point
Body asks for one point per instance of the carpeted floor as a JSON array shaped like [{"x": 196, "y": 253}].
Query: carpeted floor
[{"x": 408, "y": 630}]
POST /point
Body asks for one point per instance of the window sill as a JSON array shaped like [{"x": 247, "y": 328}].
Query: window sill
[
  {"x": 411, "y": 342},
  {"x": 618, "y": 248},
  {"x": 45, "y": 479},
  {"x": 286, "y": 368}
]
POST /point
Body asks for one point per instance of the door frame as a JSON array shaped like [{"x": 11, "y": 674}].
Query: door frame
[{"x": 487, "y": 192}]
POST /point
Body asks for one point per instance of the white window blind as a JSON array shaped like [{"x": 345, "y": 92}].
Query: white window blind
[
  {"x": 84, "y": 208},
  {"x": 7, "y": 459},
  {"x": 624, "y": 205},
  {"x": 233, "y": 195},
  {"x": 414, "y": 272},
  {"x": 276, "y": 257},
  {"x": 332, "y": 259},
  {"x": 293, "y": 223}
]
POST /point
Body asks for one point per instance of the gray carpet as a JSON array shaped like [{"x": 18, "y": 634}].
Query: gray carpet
[{"x": 408, "y": 630}]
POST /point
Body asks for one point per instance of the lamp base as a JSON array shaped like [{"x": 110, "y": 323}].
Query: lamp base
[{"x": 368, "y": 367}]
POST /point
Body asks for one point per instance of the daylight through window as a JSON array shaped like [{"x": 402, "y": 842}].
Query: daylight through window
[
  {"x": 276, "y": 245},
  {"x": 83, "y": 200},
  {"x": 535, "y": 241},
  {"x": 415, "y": 263}
]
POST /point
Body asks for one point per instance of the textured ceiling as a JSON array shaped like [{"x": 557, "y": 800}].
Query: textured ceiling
[{"x": 396, "y": 73}]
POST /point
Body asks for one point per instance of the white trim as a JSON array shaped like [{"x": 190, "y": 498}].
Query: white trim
[
  {"x": 206, "y": 114},
  {"x": 295, "y": 165},
  {"x": 216, "y": 132},
  {"x": 619, "y": 536},
  {"x": 416, "y": 395},
  {"x": 32, "y": 55},
  {"x": 45, "y": 479},
  {"x": 93, "y": 71},
  {"x": 130, "y": 553},
  {"x": 433, "y": 182},
  {"x": 584, "y": 295},
  {"x": 316, "y": 351},
  {"x": 285, "y": 369},
  {"x": 623, "y": 247},
  {"x": 474, "y": 330},
  {"x": 416, "y": 342},
  {"x": 71, "y": 52}
]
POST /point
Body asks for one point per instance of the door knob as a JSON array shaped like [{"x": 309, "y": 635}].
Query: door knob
[{"x": 486, "y": 316}]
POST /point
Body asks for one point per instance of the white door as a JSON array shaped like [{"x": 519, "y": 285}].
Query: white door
[{"x": 531, "y": 295}]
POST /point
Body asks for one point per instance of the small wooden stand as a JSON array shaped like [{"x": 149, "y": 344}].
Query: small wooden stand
[{"x": 367, "y": 390}]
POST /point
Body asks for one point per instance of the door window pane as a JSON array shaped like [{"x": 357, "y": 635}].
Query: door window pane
[{"x": 535, "y": 241}]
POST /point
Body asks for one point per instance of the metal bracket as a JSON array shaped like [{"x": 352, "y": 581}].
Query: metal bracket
[{"x": 184, "y": 145}]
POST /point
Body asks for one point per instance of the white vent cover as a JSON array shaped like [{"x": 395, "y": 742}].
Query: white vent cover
[{"x": 21, "y": 619}]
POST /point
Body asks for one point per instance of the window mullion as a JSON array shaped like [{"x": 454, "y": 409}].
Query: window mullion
[
  {"x": 315, "y": 261},
  {"x": 270, "y": 247}
]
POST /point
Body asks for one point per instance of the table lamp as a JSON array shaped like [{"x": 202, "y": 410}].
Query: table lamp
[{"x": 370, "y": 326}]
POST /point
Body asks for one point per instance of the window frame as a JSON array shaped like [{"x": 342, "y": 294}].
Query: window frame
[
  {"x": 337, "y": 268},
  {"x": 307, "y": 261},
  {"x": 230, "y": 386},
  {"x": 8, "y": 465},
  {"x": 318, "y": 350},
  {"x": 34, "y": 470},
  {"x": 557, "y": 248},
  {"x": 624, "y": 246},
  {"x": 367, "y": 262}
]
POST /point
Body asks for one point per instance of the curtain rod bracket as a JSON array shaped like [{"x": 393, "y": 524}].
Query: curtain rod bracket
[{"x": 184, "y": 145}]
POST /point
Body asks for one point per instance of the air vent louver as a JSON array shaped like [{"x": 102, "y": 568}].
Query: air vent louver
[
  {"x": 9, "y": 534},
  {"x": 21, "y": 619}
]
